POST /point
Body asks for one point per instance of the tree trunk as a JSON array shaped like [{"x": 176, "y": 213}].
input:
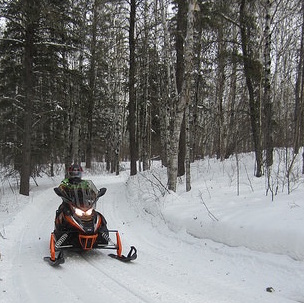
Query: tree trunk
[
  {"x": 195, "y": 111},
  {"x": 298, "y": 114},
  {"x": 251, "y": 73},
  {"x": 118, "y": 136},
  {"x": 31, "y": 17},
  {"x": 167, "y": 87},
  {"x": 92, "y": 82},
  {"x": 182, "y": 149},
  {"x": 180, "y": 69},
  {"x": 231, "y": 136},
  {"x": 188, "y": 148},
  {"x": 132, "y": 94},
  {"x": 268, "y": 132},
  {"x": 183, "y": 98},
  {"x": 220, "y": 81}
]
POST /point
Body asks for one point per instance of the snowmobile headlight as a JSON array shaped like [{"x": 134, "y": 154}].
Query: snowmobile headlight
[
  {"x": 79, "y": 212},
  {"x": 89, "y": 212}
]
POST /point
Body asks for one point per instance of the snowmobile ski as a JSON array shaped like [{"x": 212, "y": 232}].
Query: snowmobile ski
[
  {"x": 132, "y": 255},
  {"x": 57, "y": 261}
]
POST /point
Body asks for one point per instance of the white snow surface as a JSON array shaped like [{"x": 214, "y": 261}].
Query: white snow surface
[{"x": 224, "y": 241}]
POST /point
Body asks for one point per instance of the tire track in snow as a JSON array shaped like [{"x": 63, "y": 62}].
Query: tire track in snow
[
  {"x": 116, "y": 282},
  {"x": 25, "y": 237},
  {"x": 156, "y": 265},
  {"x": 136, "y": 280}
]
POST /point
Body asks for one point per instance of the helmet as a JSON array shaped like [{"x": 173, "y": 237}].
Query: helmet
[{"x": 75, "y": 171}]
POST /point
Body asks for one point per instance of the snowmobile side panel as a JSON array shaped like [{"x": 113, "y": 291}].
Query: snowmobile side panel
[
  {"x": 119, "y": 246},
  {"x": 52, "y": 247},
  {"x": 98, "y": 223},
  {"x": 73, "y": 223}
]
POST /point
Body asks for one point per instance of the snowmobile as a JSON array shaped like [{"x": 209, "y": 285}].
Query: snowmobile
[{"x": 78, "y": 226}]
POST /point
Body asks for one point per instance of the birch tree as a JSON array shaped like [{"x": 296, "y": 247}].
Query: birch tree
[
  {"x": 268, "y": 108},
  {"x": 183, "y": 98},
  {"x": 180, "y": 37},
  {"x": 167, "y": 87}
]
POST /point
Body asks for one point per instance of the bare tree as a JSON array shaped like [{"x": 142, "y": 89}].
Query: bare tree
[
  {"x": 92, "y": 82},
  {"x": 132, "y": 93},
  {"x": 268, "y": 130},
  {"x": 168, "y": 87},
  {"x": 220, "y": 85},
  {"x": 183, "y": 98},
  {"x": 299, "y": 91},
  {"x": 252, "y": 70},
  {"x": 31, "y": 17}
]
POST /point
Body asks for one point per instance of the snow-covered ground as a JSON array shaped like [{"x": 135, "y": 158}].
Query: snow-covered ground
[{"x": 224, "y": 241}]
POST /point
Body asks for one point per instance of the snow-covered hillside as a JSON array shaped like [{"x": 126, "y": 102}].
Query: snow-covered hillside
[{"x": 224, "y": 241}]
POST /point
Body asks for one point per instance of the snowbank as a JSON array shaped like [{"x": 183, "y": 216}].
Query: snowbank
[{"x": 227, "y": 207}]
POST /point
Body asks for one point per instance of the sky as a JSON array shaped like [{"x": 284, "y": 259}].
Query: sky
[{"x": 224, "y": 241}]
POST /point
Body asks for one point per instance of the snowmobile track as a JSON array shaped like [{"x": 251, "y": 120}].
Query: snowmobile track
[{"x": 100, "y": 267}]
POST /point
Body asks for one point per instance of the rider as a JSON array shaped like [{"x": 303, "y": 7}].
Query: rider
[
  {"x": 72, "y": 183},
  {"x": 74, "y": 174}
]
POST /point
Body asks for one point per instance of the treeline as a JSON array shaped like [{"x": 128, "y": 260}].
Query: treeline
[{"x": 112, "y": 80}]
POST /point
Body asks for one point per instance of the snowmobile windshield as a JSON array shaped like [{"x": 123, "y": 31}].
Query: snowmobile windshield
[{"x": 83, "y": 195}]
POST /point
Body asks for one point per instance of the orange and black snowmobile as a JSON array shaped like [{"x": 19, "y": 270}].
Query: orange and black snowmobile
[{"x": 78, "y": 226}]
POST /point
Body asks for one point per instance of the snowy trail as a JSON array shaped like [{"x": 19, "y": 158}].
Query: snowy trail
[{"x": 170, "y": 267}]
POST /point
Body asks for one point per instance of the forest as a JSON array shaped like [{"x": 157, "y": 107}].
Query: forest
[{"x": 141, "y": 80}]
